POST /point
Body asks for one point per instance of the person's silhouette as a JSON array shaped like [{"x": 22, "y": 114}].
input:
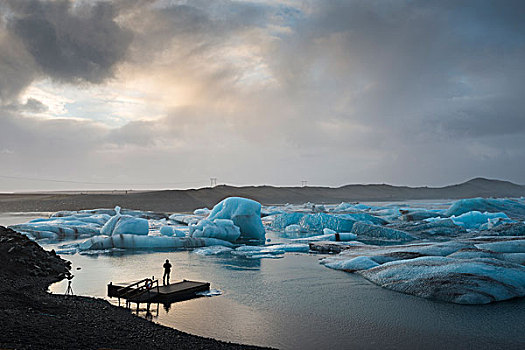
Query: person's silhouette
[{"x": 167, "y": 271}]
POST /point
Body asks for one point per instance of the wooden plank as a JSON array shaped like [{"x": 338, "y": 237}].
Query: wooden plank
[{"x": 181, "y": 286}]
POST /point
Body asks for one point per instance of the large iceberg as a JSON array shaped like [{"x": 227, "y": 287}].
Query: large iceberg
[
  {"x": 473, "y": 281},
  {"x": 245, "y": 214},
  {"x": 513, "y": 208}
]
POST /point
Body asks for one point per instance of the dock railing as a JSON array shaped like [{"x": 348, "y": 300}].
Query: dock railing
[{"x": 138, "y": 289}]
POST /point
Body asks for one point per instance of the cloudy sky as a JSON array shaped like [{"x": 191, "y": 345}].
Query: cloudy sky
[{"x": 166, "y": 94}]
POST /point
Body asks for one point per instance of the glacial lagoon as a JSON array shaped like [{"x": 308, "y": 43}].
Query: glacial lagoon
[{"x": 291, "y": 301}]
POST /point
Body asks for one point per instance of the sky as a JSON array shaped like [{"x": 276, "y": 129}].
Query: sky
[{"x": 145, "y": 94}]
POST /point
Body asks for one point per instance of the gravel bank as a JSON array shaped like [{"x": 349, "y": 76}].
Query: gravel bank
[{"x": 31, "y": 318}]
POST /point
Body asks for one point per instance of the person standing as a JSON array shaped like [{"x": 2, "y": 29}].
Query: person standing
[{"x": 167, "y": 271}]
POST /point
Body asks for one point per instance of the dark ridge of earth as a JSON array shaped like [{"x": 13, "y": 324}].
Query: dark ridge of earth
[
  {"x": 31, "y": 318},
  {"x": 188, "y": 200}
]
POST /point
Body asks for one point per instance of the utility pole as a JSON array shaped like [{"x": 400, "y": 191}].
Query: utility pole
[
  {"x": 213, "y": 181},
  {"x": 304, "y": 183}
]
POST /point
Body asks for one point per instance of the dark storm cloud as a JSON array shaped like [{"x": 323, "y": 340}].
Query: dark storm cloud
[
  {"x": 409, "y": 92},
  {"x": 70, "y": 44}
]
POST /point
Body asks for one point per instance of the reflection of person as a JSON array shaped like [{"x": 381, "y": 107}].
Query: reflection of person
[{"x": 167, "y": 271}]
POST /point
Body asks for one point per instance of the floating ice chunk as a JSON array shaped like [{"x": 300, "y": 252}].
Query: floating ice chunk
[
  {"x": 213, "y": 250},
  {"x": 419, "y": 215},
  {"x": 320, "y": 221},
  {"x": 281, "y": 221},
  {"x": 245, "y": 214},
  {"x": 109, "y": 227},
  {"x": 125, "y": 224},
  {"x": 475, "y": 219},
  {"x": 517, "y": 258},
  {"x": 209, "y": 293},
  {"x": 364, "y": 217},
  {"x": 435, "y": 227},
  {"x": 40, "y": 235},
  {"x": 355, "y": 264},
  {"x": 362, "y": 229},
  {"x": 219, "y": 228},
  {"x": 171, "y": 231},
  {"x": 131, "y": 225},
  {"x": 328, "y": 231},
  {"x": 291, "y": 247},
  {"x": 185, "y": 219},
  {"x": 344, "y": 207},
  {"x": 202, "y": 211},
  {"x": 270, "y": 250},
  {"x": 60, "y": 229},
  {"x": 509, "y": 229},
  {"x": 510, "y": 246},
  {"x": 125, "y": 241},
  {"x": 339, "y": 237},
  {"x": 474, "y": 281},
  {"x": 292, "y": 229},
  {"x": 513, "y": 208}
]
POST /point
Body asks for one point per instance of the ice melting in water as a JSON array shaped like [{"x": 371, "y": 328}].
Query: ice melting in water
[
  {"x": 126, "y": 241},
  {"x": 125, "y": 224},
  {"x": 513, "y": 208},
  {"x": 245, "y": 214},
  {"x": 219, "y": 228},
  {"x": 473, "y": 281}
]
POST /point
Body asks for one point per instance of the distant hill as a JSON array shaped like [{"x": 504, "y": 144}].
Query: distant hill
[{"x": 188, "y": 200}]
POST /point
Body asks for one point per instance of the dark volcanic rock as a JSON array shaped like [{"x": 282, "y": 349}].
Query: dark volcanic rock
[{"x": 31, "y": 318}]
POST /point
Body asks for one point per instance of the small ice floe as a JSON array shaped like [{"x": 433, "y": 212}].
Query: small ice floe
[
  {"x": 202, "y": 212},
  {"x": 209, "y": 293},
  {"x": 171, "y": 231},
  {"x": 213, "y": 250}
]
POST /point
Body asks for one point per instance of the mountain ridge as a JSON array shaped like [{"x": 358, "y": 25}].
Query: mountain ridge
[{"x": 190, "y": 199}]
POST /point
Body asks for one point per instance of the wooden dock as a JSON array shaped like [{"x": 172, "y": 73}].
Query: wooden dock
[{"x": 149, "y": 291}]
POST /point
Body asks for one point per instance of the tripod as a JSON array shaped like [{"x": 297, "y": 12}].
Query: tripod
[{"x": 69, "y": 290}]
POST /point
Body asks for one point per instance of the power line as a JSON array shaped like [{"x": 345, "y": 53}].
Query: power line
[{"x": 98, "y": 183}]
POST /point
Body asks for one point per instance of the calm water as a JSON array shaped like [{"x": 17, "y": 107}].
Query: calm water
[{"x": 296, "y": 303}]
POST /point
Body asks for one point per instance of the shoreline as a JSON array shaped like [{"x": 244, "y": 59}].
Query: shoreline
[{"x": 32, "y": 317}]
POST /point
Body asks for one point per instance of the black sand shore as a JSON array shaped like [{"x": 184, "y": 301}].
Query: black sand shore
[
  {"x": 188, "y": 200},
  {"x": 31, "y": 318}
]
